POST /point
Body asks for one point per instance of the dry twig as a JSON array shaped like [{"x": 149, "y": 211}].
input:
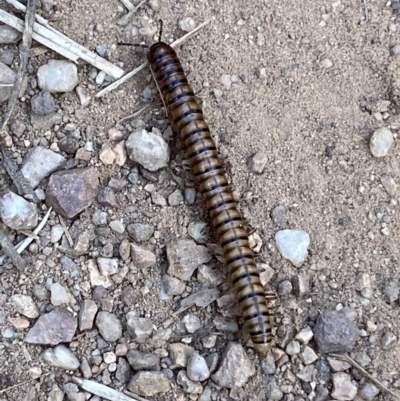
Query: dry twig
[
  {"x": 127, "y": 17},
  {"x": 177, "y": 43},
  {"x": 9, "y": 250},
  {"x": 365, "y": 373},
  {"x": 66, "y": 232},
  {"x": 105, "y": 392},
  {"x": 5, "y": 390},
  {"x": 51, "y": 38},
  {"x": 135, "y": 114},
  {"x": 24, "y": 243},
  {"x": 24, "y": 55}
]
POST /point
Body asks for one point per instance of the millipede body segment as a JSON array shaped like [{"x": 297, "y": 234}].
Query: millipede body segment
[{"x": 187, "y": 116}]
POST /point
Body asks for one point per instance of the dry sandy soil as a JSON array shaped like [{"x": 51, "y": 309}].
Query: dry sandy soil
[{"x": 312, "y": 122}]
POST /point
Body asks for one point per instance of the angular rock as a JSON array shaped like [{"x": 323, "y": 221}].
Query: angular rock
[
  {"x": 69, "y": 192},
  {"x": 24, "y": 305},
  {"x": 148, "y": 149},
  {"x": 389, "y": 184},
  {"x": 173, "y": 286},
  {"x": 343, "y": 388},
  {"x": 192, "y": 323},
  {"x": 179, "y": 354},
  {"x": 142, "y": 258},
  {"x": 176, "y": 198},
  {"x": 58, "y": 76},
  {"x": 188, "y": 385},
  {"x": 124, "y": 372},
  {"x": 308, "y": 355},
  {"x": 107, "y": 266},
  {"x": 83, "y": 95},
  {"x": 39, "y": 163},
  {"x": 389, "y": 340},
  {"x": 335, "y": 333},
  {"x": 143, "y": 360},
  {"x": 120, "y": 153},
  {"x": 57, "y": 232},
  {"x": 96, "y": 279},
  {"x": 235, "y": 369},
  {"x": 258, "y": 162},
  {"x": 273, "y": 392},
  {"x": 108, "y": 198},
  {"x": 18, "y": 127},
  {"x": 16, "y": 212},
  {"x": 60, "y": 357},
  {"x": 109, "y": 326},
  {"x": 45, "y": 122},
  {"x": 197, "y": 369},
  {"x": 68, "y": 144},
  {"x": 139, "y": 328},
  {"x": 60, "y": 295},
  {"x": 86, "y": 314},
  {"x": 106, "y": 155},
  {"x": 184, "y": 256},
  {"x": 7, "y": 76},
  {"x": 391, "y": 292},
  {"x": 43, "y": 103},
  {"x": 149, "y": 384},
  {"x": 53, "y": 328},
  {"x": 293, "y": 245},
  {"x": 140, "y": 232}
]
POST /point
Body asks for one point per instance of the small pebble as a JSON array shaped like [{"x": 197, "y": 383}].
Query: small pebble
[
  {"x": 293, "y": 245},
  {"x": 187, "y": 24},
  {"x": 326, "y": 63},
  {"x": 380, "y": 142},
  {"x": 389, "y": 341}
]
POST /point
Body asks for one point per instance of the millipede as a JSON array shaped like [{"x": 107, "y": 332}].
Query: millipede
[{"x": 187, "y": 117}]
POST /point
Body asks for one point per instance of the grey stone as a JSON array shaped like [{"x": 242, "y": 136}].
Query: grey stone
[
  {"x": 140, "y": 232},
  {"x": 335, "y": 333},
  {"x": 43, "y": 103},
  {"x": 300, "y": 285},
  {"x": 83, "y": 95},
  {"x": 197, "y": 369},
  {"x": 258, "y": 162},
  {"x": 60, "y": 357},
  {"x": 9, "y": 35},
  {"x": 60, "y": 295},
  {"x": 139, "y": 328},
  {"x": 368, "y": 391},
  {"x": 58, "y": 76},
  {"x": 235, "y": 368},
  {"x": 184, "y": 256},
  {"x": 293, "y": 348},
  {"x": 285, "y": 288},
  {"x": 109, "y": 326},
  {"x": 179, "y": 354},
  {"x": 143, "y": 360},
  {"x": 278, "y": 214},
  {"x": 16, "y": 212},
  {"x": 45, "y": 122},
  {"x": 149, "y": 384},
  {"x": 391, "y": 292},
  {"x": 148, "y": 149},
  {"x": 86, "y": 314},
  {"x": 68, "y": 144},
  {"x": 53, "y": 328},
  {"x": 107, "y": 266},
  {"x": 108, "y": 198},
  {"x": 18, "y": 127},
  {"x": 176, "y": 198},
  {"x": 192, "y": 323},
  {"x": 188, "y": 385},
  {"x": 124, "y": 371},
  {"x": 39, "y": 163},
  {"x": 173, "y": 286},
  {"x": 6, "y": 56},
  {"x": 273, "y": 391},
  {"x": 142, "y": 257},
  {"x": 308, "y": 355},
  {"x": 389, "y": 340},
  {"x": 222, "y": 325},
  {"x": 343, "y": 388},
  {"x": 24, "y": 305}
]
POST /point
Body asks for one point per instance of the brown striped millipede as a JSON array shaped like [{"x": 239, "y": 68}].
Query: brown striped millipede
[{"x": 186, "y": 115}]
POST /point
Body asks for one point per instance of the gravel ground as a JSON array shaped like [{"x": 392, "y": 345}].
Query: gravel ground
[{"x": 296, "y": 96}]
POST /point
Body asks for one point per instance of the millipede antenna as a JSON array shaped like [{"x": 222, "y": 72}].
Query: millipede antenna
[{"x": 161, "y": 29}]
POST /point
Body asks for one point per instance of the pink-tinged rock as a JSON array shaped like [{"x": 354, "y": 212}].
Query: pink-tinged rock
[
  {"x": 69, "y": 192},
  {"x": 19, "y": 323},
  {"x": 53, "y": 328},
  {"x": 142, "y": 258}
]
